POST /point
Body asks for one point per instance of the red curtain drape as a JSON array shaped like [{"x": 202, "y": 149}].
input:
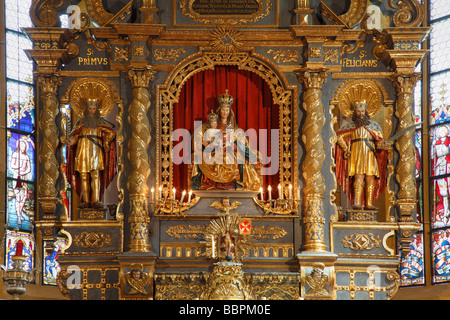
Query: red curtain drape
[{"x": 253, "y": 107}]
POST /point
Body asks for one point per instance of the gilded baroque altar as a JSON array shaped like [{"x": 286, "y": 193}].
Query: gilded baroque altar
[{"x": 292, "y": 71}]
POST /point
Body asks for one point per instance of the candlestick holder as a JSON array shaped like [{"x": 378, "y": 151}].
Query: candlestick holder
[
  {"x": 17, "y": 277},
  {"x": 284, "y": 206},
  {"x": 170, "y": 205}
]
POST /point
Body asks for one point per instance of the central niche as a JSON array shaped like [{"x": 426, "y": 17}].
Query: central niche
[{"x": 252, "y": 107}]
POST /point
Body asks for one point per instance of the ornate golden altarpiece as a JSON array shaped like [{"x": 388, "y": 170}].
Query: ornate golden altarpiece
[{"x": 317, "y": 57}]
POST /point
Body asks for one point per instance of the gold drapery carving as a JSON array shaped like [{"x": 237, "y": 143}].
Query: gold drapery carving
[
  {"x": 47, "y": 151},
  {"x": 138, "y": 157},
  {"x": 315, "y": 156}
]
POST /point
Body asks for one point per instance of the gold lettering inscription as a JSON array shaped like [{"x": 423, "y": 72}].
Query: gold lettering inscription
[
  {"x": 361, "y": 61},
  {"x": 91, "y": 61},
  {"x": 212, "y": 7}
]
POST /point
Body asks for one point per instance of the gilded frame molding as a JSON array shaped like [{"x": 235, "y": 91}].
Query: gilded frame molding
[{"x": 284, "y": 96}]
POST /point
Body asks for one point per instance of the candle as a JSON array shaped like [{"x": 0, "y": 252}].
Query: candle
[
  {"x": 290, "y": 191},
  {"x": 270, "y": 192},
  {"x": 19, "y": 248},
  {"x": 160, "y": 192},
  {"x": 182, "y": 196},
  {"x": 261, "y": 192},
  {"x": 280, "y": 192},
  {"x": 190, "y": 194},
  {"x": 298, "y": 193},
  {"x": 153, "y": 193},
  {"x": 174, "y": 193},
  {"x": 213, "y": 247}
]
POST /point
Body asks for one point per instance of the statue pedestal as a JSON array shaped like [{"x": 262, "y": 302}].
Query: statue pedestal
[
  {"x": 317, "y": 275},
  {"x": 361, "y": 215},
  {"x": 226, "y": 282},
  {"x": 212, "y": 201},
  {"x": 136, "y": 275},
  {"x": 92, "y": 214}
]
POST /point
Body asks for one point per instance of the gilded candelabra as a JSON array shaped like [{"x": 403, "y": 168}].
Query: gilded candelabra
[
  {"x": 282, "y": 205},
  {"x": 18, "y": 277},
  {"x": 167, "y": 203}
]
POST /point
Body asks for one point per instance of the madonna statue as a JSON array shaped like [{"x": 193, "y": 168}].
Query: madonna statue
[{"x": 223, "y": 159}]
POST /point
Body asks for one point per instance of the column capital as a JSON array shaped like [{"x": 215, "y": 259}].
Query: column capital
[
  {"x": 139, "y": 76},
  {"x": 312, "y": 78}
]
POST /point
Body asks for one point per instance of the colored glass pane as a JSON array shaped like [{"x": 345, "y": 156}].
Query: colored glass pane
[
  {"x": 440, "y": 42},
  {"x": 20, "y": 67},
  {"x": 20, "y": 107},
  {"x": 418, "y": 147},
  {"x": 21, "y": 156},
  {"x": 17, "y": 14},
  {"x": 441, "y": 255},
  {"x": 50, "y": 263},
  {"x": 418, "y": 97},
  {"x": 440, "y": 213},
  {"x": 12, "y": 237},
  {"x": 411, "y": 266},
  {"x": 438, "y": 9},
  {"x": 66, "y": 196},
  {"x": 440, "y": 150},
  {"x": 440, "y": 111},
  {"x": 21, "y": 205}
]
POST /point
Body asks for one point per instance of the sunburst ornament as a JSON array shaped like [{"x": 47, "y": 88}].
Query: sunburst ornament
[
  {"x": 224, "y": 239},
  {"x": 82, "y": 90},
  {"x": 226, "y": 39},
  {"x": 358, "y": 90}
]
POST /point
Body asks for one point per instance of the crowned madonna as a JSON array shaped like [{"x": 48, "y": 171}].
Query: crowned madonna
[{"x": 223, "y": 158}]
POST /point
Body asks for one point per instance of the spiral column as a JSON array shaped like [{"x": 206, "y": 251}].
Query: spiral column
[
  {"x": 139, "y": 159},
  {"x": 313, "y": 218}
]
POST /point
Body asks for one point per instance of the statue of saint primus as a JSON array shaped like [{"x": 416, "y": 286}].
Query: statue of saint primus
[{"x": 92, "y": 156}]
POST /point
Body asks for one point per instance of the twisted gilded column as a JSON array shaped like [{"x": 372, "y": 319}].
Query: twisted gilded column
[
  {"x": 405, "y": 145},
  {"x": 139, "y": 159},
  {"x": 48, "y": 85},
  {"x": 314, "y": 189}
]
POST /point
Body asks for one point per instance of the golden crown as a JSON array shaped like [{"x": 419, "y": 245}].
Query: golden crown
[
  {"x": 360, "y": 102},
  {"x": 225, "y": 99},
  {"x": 213, "y": 116},
  {"x": 91, "y": 101}
]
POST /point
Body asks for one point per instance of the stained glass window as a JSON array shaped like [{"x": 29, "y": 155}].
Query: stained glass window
[
  {"x": 411, "y": 267},
  {"x": 439, "y": 148},
  {"x": 20, "y": 135},
  {"x": 50, "y": 263},
  {"x": 66, "y": 194},
  {"x": 12, "y": 238},
  {"x": 441, "y": 255}
]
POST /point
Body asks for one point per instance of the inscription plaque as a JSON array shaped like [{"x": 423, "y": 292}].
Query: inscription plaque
[{"x": 227, "y": 7}]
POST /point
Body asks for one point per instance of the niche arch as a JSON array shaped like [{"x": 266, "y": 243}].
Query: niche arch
[{"x": 283, "y": 95}]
